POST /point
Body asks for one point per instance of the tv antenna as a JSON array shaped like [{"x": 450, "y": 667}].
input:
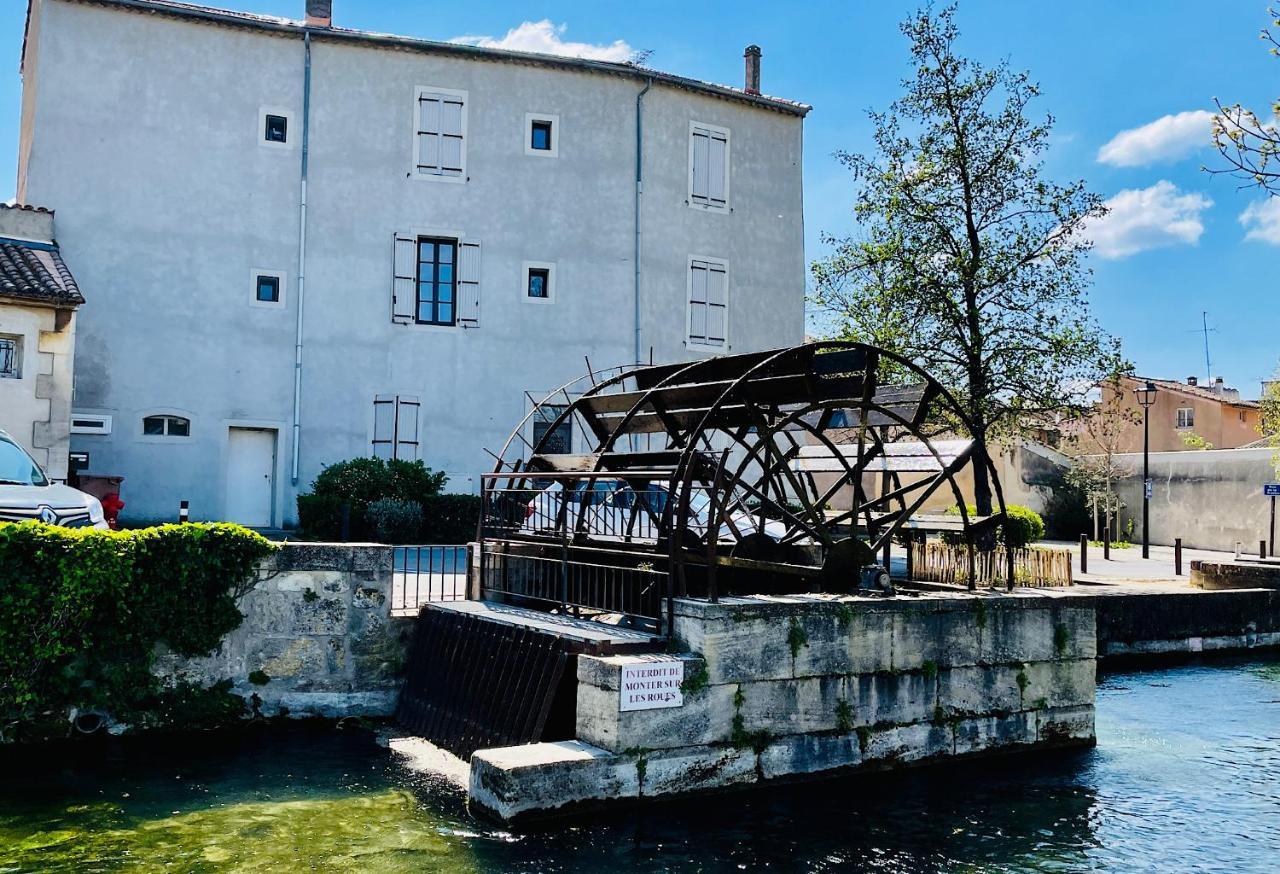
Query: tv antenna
[{"x": 1206, "y": 331}]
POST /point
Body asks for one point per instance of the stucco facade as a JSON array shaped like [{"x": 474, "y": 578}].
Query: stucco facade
[
  {"x": 175, "y": 203},
  {"x": 38, "y": 301}
]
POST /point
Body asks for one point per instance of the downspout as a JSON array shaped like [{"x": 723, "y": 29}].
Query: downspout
[
  {"x": 639, "y": 194},
  {"x": 302, "y": 255}
]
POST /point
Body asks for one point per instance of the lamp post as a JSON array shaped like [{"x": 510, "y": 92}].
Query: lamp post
[{"x": 1146, "y": 397}]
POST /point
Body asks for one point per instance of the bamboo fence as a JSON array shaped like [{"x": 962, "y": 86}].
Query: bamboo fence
[{"x": 940, "y": 563}]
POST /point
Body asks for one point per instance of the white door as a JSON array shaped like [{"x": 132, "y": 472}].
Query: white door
[{"x": 251, "y": 476}]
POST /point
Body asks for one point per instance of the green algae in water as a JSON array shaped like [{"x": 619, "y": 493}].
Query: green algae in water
[{"x": 380, "y": 831}]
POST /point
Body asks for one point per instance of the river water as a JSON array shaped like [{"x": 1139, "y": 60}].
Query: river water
[{"x": 1185, "y": 777}]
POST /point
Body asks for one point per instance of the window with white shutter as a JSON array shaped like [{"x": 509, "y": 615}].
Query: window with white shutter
[
  {"x": 708, "y": 167},
  {"x": 435, "y": 280},
  {"x": 708, "y": 302},
  {"x": 440, "y": 140},
  {"x": 395, "y": 427}
]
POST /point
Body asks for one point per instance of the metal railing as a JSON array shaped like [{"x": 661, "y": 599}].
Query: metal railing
[{"x": 422, "y": 574}]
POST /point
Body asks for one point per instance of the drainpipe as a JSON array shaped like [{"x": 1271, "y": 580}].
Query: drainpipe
[
  {"x": 302, "y": 255},
  {"x": 639, "y": 193}
]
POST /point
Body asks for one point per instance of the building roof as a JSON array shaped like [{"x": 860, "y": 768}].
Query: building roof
[
  {"x": 276, "y": 24},
  {"x": 35, "y": 272},
  {"x": 1195, "y": 391}
]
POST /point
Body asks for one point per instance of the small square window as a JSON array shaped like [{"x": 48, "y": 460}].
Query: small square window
[
  {"x": 277, "y": 129},
  {"x": 10, "y": 357},
  {"x": 540, "y": 136},
  {"x": 268, "y": 289},
  {"x": 539, "y": 282}
]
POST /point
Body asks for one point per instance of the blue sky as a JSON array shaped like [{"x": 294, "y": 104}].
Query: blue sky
[{"x": 1175, "y": 244}]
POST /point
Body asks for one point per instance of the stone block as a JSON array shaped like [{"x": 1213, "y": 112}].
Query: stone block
[
  {"x": 916, "y": 640},
  {"x": 747, "y": 647},
  {"x": 976, "y": 690},
  {"x": 1065, "y": 725},
  {"x": 605, "y": 672},
  {"x": 706, "y": 717},
  {"x": 982, "y": 733},
  {"x": 799, "y": 706},
  {"x": 294, "y": 660},
  {"x": 892, "y": 699},
  {"x": 508, "y": 782},
  {"x": 844, "y": 638},
  {"x": 810, "y": 754},
  {"x": 327, "y": 583},
  {"x": 696, "y": 769},
  {"x": 1014, "y": 634},
  {"x": 906, "y": 743},
  {"x": 1060, "y": 683},
  {"x": 318, "y": 615}
]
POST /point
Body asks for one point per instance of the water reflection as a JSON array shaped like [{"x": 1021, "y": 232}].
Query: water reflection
[{"x": 1186, "y": 775}]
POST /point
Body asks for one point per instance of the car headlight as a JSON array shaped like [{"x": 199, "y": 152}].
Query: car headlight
[{"x": 96, "y": 516}]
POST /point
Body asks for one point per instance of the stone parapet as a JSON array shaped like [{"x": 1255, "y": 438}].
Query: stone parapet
[{"x": 317, "y": 637}]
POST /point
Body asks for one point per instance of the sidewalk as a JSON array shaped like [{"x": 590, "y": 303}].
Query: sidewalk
[{"x": 1128, "y": 565}]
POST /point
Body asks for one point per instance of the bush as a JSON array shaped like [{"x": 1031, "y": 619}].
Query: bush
[
  {"x": 359, "y": 482},
  {"x": 1022, "y": 526},
  {"x": 395, "y": 521},
  {"x": 81, "y": 613},
  {"x": 450, "y": 518}
]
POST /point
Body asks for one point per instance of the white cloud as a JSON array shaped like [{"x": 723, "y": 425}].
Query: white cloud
[
  {"x": 1166, "y": 139},
  {"x": 1262, "y": 220},
  {"x": 544, "y": 38},
  {"x": 1148, "y": 218}
]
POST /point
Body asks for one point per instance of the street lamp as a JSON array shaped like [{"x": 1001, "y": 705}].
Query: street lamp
[{"x": 1146, "y": 397}]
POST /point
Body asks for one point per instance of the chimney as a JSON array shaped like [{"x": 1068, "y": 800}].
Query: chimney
[
  {"x": 1218, "y": 387},
  {"x": 1191, "y": 380},
  {"x": 319, "y": 13},
  {"x": 752, "y": 55}
]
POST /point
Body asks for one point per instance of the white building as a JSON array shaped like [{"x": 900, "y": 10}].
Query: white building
[
  {"x": 462, "y": 225},
  {"x": 38, "y": 302}
]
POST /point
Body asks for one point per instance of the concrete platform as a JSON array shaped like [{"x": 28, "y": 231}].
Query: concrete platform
[{"x": 584, "y": 630}]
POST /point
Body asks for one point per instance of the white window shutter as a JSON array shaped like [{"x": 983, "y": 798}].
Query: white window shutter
[
  {"x": 384, "y": 425},
  {"x": 698, "y": 301},
  {"x": 469, "y": 283},
  {"x": 698, "y": 191},
  {"x": 406, "y": 447},
  {"x": 428, "y": 134},
  {"x": 404, "y": 278},
  {"x": 717, "y": 305},
  {"x": 717, "y": 166}
]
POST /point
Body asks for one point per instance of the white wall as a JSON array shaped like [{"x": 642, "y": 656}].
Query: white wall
[{"x": 167, "y": 208}]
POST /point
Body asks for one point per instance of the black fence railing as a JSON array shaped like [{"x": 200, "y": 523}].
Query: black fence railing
[{"x": 423, "y": 574}]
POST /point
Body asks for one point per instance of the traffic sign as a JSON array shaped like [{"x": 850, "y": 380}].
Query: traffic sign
[{"x": 1271, "y": 490}]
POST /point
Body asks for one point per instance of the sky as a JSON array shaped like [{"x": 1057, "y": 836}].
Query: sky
[{"x": 1129, "y": 85}]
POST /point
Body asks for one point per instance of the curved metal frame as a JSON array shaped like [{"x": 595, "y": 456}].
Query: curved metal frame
[{"x": 760, "y": 445}]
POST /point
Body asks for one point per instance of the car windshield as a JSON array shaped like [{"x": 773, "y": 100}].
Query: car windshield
[{"x": 16, "y": 467}]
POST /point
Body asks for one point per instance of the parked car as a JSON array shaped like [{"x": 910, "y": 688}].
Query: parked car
[
  {"x": 611, "y": 508},
  {"x": 27, "y": 494}
]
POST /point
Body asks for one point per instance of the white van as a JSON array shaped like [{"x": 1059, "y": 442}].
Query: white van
[{"x": 27, "y": 494}]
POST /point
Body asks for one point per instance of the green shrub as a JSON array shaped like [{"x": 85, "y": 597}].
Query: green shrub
[
  {"x": 358, "y": 482},
  {"x": 81, "y": 613},
  {"x": 395, "y": 521},
  {"x": 1022, "y": 526},
  {"x": 450, "y": 518}
]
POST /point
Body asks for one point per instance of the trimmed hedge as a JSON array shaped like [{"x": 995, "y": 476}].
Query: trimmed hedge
[
  {"x": 1022, "y": 526},
  {"x": 379, "y": 495},
  {"x": 81, "y": 612}
]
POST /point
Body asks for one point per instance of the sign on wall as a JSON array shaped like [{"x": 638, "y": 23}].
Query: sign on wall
[{"x": 652, "y": 685}]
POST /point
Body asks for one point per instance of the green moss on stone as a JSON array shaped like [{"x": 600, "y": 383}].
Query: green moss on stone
[
  {"x": 796, "y": 637},
  {"x": 844, "y": 716}
]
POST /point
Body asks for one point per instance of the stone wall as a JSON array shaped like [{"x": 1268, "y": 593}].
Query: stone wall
[
  {"x": 799, "y": 687},
  {"x": 1171, "y": 623},
  {"x": 317, "y": 626}
]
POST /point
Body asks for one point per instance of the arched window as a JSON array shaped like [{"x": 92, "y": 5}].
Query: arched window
[{"x": 166, "y": 426}]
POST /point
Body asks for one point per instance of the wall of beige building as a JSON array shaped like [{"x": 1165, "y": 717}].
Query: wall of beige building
[{"x": 35, "y": 405}]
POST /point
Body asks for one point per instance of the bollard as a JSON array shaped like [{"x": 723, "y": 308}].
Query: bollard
[
  {"x": 1262, "y": 549},
  {"x": 184, "y": 511},
  {"x": 1238, "y": 548},
  {"x": 1084, "y": 553},
  {"x": 1177, "y": 556},
  {"x": 1106, "y": 543}
]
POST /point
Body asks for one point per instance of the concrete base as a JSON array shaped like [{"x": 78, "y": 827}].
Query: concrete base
[
  {"x": 813, "y": 686},
  {"x": 555, "y": 779}
]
